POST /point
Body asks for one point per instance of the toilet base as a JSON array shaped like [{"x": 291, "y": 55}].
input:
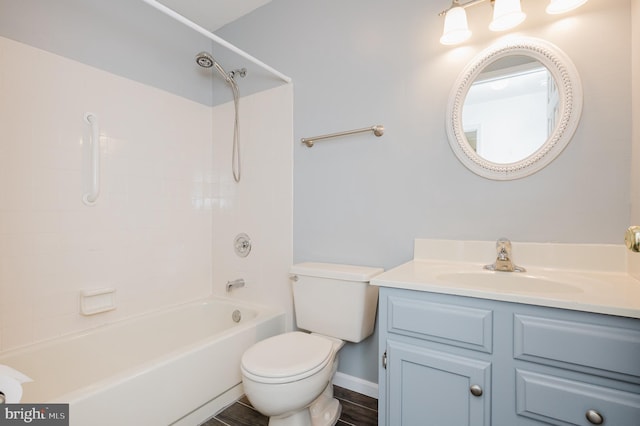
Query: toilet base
[
  {"x": 328, "y": 416},
  {"x": 300, "y": 418},
  {"x": 324, "y": 411}
]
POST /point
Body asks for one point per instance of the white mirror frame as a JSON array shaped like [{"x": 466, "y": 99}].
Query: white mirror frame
[{"x": 569, "y": 87}]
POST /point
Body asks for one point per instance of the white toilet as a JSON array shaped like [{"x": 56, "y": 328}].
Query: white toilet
[{"x": 289, "y": 377}]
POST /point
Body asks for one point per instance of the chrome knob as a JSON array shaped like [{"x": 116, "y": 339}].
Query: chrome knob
[
  {"x": 594, "y": 417},
  {"x": 242, "y": 245},
  {"x": 632, "y": 238},
  {"x": 475, "y": 390}
]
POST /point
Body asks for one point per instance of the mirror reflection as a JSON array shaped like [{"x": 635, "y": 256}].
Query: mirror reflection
[{"x": 511, "y": 109}]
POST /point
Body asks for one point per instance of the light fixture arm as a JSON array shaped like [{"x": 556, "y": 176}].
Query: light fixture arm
[{"x": 456, "y": 3}]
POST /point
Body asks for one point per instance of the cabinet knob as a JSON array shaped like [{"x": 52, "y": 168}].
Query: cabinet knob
[
  {"x": 476, "y": 390},
  {"x": 594, "y": 417}
]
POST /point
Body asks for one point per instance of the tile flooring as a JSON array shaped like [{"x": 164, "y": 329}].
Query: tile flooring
[{"x": 357, "y": 410}]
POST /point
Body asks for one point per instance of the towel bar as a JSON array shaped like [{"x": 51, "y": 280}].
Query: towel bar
[{"x": 377, "y": 130}]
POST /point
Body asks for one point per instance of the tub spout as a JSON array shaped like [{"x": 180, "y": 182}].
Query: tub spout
[{"x": 235, "y": 284}]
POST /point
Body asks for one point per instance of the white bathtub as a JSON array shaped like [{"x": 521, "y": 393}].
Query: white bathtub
[{"x": 177, "y": 366}]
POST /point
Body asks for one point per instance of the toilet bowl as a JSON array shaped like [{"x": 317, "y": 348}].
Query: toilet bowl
[{"x": 289, "y": 377}]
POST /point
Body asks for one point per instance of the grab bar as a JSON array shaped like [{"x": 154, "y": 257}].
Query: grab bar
[
  {"x": 91, "y": 197},
  {"x": 377, "y": 130}
]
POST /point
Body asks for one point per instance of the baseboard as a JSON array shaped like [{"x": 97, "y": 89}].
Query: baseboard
[{"x": 356, "y": 384}]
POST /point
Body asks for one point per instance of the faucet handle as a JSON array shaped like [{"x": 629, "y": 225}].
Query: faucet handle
[
  {"x": 503, "y": 243},
  {"x": 503, "y": 248},
  {"x": 503, "y": 260}
]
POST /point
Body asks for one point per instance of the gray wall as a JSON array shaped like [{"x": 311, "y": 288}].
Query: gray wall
[{"x": 363, "y": 200}]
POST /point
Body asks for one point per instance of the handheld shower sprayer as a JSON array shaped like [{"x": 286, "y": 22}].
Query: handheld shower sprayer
[{"x": 205, "y": 60}]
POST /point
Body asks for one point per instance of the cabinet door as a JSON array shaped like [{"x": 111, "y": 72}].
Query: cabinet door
[{"x": 433, "y": 388}]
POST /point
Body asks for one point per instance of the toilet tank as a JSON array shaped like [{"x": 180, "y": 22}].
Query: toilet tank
[{"x": 335, "y": 300}]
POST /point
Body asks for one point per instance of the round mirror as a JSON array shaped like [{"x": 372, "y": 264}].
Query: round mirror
[{"x": 514, "y": 108}]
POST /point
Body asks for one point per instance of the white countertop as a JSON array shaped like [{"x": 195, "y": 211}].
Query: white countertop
[{"x": 608, "y": 292}]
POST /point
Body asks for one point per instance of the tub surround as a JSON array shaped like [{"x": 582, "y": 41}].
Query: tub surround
[
  {"x": 162, "y": 230},
  {"x": 583, "y": 277},
  {"x": 149, "y": 234}
]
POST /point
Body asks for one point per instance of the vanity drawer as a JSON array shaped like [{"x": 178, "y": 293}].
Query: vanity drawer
[
  {"x": 572, "y": 344},
  {"x": 562, "y": 401},
  {"x": 455, "y": 325}
]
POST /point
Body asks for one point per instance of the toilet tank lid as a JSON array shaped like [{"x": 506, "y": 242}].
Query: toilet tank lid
[{"x": 336, "y": 271}]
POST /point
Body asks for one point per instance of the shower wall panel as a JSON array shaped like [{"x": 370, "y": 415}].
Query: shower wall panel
[{"x": 149, "y": 234}]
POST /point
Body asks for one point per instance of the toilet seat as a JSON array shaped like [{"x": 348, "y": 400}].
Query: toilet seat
[{"x": 286, "y": 358}]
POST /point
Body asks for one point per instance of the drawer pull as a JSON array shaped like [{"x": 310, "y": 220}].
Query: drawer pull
[
  {"x": 476, "y": 390},
  {"x": 594, "y": 417}
]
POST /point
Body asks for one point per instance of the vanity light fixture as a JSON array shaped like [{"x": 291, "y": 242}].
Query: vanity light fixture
[{"x": 507, "y": 14}]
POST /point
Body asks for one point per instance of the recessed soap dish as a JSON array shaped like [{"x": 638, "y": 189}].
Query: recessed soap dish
[{"x": 96, "y": 301}]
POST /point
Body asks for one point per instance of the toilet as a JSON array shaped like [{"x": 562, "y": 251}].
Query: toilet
[{"x": 289, "y": 377}]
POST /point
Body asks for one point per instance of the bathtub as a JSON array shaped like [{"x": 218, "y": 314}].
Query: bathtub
[{"x": 178, "y": 366}]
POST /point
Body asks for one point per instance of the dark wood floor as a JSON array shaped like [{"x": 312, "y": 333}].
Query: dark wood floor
[{"x": 357, "y": 410}]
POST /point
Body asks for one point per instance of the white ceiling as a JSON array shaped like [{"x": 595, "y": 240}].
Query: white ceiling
[{"x": 213, "y": 14}]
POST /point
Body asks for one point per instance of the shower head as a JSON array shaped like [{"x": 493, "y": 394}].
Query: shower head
[{"x": 205, "y": 60}]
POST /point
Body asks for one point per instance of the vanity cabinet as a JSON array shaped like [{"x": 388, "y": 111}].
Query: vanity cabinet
[{"x": 456, "y": 360}]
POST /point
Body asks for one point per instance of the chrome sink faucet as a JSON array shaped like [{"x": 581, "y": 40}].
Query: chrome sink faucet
[{"x": 503, "y": 259}]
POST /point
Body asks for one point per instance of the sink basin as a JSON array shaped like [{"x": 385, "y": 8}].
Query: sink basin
[{"x": 508, "y": 281}]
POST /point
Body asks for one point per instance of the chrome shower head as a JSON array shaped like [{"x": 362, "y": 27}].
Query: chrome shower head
[{"x": 204, "y": 60}]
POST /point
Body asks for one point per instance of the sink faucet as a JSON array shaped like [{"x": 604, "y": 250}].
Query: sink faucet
[
  {"x": 235, "y": 284},
  {"x": 503, "y": 259}
]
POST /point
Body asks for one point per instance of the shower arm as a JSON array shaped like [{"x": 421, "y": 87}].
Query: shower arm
[{"x": 169, "y": 12}]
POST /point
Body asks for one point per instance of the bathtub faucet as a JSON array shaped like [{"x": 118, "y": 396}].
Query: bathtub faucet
[
  {"x": 504, "y": 261},
  {"x": 235, "y": 284}
]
